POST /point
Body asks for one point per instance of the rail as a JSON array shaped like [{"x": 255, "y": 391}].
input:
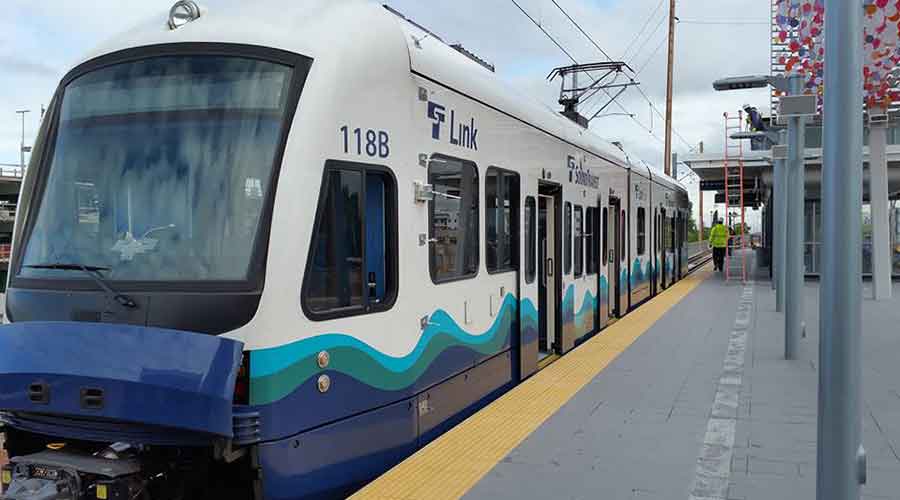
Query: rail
[{"x": 697, "y": 248}]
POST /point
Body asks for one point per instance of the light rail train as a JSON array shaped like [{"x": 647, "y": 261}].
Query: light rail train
[{"x": 269, "y": 249}]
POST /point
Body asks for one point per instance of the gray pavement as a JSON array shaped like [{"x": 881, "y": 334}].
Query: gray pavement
[{"x": 638, "y": 430}]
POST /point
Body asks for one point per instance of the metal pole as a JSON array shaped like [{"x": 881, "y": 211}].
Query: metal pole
[
  {"x": 780, "y": 218},
  {"x": 669, "y": 88},
  {"x": 879, "y": 199},
  {"x": 794, "y": 204},
  {"x": 22, "y": 144},
  {"x": 840, "y": 460}
]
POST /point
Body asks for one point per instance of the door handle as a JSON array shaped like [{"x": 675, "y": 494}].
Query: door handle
[{"x": 549, "y": 268}]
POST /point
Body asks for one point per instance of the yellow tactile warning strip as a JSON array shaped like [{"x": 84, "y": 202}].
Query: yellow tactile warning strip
[{"x": 454, "y": 463}]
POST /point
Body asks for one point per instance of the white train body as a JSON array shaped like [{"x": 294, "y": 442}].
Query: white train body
[{"x": 431, "y": 237}]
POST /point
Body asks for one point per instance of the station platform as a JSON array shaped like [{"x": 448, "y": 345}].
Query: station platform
[{"x": 688, "y": 397}]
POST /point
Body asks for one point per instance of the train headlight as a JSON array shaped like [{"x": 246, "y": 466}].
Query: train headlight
[{"x": 183, "y": 12}]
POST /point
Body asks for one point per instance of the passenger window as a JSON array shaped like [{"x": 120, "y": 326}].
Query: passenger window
[
  {"x": 579, "y": 241},
  {"x": 501, "y": 220},
  {"x": 590, "y": 241},
  {"x": 530, "y": 240},
  {"x": 641, "y": 231},
  {"x": 605, "y": 235},
  {"x": 352, "y": 266},
  {"x": 453, "y": 219},
  {"x": 567, "y": 239}
]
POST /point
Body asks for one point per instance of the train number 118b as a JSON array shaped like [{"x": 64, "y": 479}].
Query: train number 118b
[{"x": 372, "y": 143}]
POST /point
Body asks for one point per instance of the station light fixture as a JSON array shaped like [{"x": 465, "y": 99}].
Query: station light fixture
[
  {"x": 750, "y": 82},
  {"x": 749, "y": 135}
]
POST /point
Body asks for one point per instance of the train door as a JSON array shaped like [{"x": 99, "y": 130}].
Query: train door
[
  {"x": 654, "y": 254},
  {"x": 624, "y": 265},
  {"x": 602, "y": 248},
  {"x": 613, "y": 234},
  {"x": 663, "y": 250},
  {"x": 548, "y": 274},
  {"x": 679, "y": 228}
]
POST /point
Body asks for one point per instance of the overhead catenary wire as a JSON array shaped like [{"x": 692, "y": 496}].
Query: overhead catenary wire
[
  {"x": 575, "y": 61},
  {"x": 723, "y": 22},
  {"x": 649, "y": 59},
  {"x": 687, "y": 144},
  {"x": 662, "y": 20},
  {"x": 643, "y": 28},
  {"x": 581, "y": 29},
  {"x": 552, "y": 39}
]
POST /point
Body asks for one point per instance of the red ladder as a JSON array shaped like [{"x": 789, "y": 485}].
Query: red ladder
[{"x": 736, "y": 256}]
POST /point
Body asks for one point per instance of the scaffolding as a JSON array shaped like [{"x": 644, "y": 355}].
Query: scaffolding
[{"x": 736, "y": 255}]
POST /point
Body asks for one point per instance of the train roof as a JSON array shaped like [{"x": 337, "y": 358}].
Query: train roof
[{"x": 328, "y": 31}]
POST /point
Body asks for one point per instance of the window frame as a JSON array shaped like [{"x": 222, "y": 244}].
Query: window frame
[
  {"x": 391, "y": 251},
  {"x": 530, "y": 239},
  {"x": 641, "y": 233},
  {"x": 605, "y": 230},
  {"x": 514, "y": 218},
  {"x": 429, "y": 221},
  {"x": 32, "y": 194},
  {"x": 578, "y": 241},
  {"x": 567, "y": 239},
  {"x": 590, "y": 241}
]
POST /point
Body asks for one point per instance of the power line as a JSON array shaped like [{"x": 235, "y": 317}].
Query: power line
[
  {"x": 723, "y": 22},
  {"x": 644, "y": 27},
  {"x": 658, "y": 113},
  {"x": 647, "y": 98},
  {"x": 581, "y": 30},
  {"x": 566, "y": 52},
  {"x": 662, "y": 20},
  {"x": 655, "y": 51}
]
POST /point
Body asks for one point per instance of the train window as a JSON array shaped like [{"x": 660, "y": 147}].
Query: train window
[
  {"x": 501, "y": 193},
  {"x": 352, "y": 267},
  {"x": 530, "y": 240},
  {"x": 578, "y": 241},
  {"x": 605, "y": 234},
  {"x": 567, "y": 239},
  {"x": 641, "y": 231},
  {"x": 453, "y": 219},
  {"x": 622, "y": 222},
  {"x": 590, "y": 241}
]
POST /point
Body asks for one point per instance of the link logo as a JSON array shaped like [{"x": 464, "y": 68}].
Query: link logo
[
  {"x": 464, "y": 135},
  {"x": 578, "y": 175}
]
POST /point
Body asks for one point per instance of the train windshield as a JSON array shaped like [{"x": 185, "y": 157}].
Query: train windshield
[{"x": 160, "y": 170}]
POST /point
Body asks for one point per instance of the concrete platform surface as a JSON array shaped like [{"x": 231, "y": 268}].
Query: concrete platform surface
[{"x": 655, "y": 424}]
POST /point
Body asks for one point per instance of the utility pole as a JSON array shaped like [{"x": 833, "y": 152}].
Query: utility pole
[
  {"x": 671, "y": 72},
  {"x": 22, "y": 144},
  {"x": 840, "y": 457}
]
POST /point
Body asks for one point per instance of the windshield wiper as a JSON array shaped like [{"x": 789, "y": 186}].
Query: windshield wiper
[{"x": 94, "y": 273}]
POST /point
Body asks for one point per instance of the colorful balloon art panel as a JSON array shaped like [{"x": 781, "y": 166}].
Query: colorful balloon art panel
[{"x": 801, "y": 26}]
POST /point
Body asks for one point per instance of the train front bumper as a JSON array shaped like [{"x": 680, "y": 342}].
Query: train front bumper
[{"x": 106, "y": 382}]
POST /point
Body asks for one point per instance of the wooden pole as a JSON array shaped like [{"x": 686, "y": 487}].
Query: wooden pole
[{"x": 668, "y": 157}]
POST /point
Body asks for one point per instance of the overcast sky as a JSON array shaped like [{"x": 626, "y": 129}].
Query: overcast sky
[{"x": 41, "y": 39}]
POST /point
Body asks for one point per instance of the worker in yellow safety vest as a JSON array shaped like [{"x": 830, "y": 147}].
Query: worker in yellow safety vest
[{"x": 718, "y": 241}]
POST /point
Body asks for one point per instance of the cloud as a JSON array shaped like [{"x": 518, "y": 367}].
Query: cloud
[
  {"x": 39, "y": 41},
  {"x": 23, "y": 67}
]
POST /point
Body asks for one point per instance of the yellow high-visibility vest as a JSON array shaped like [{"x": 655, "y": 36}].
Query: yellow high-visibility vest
[{"x": 718, "y": 236}]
